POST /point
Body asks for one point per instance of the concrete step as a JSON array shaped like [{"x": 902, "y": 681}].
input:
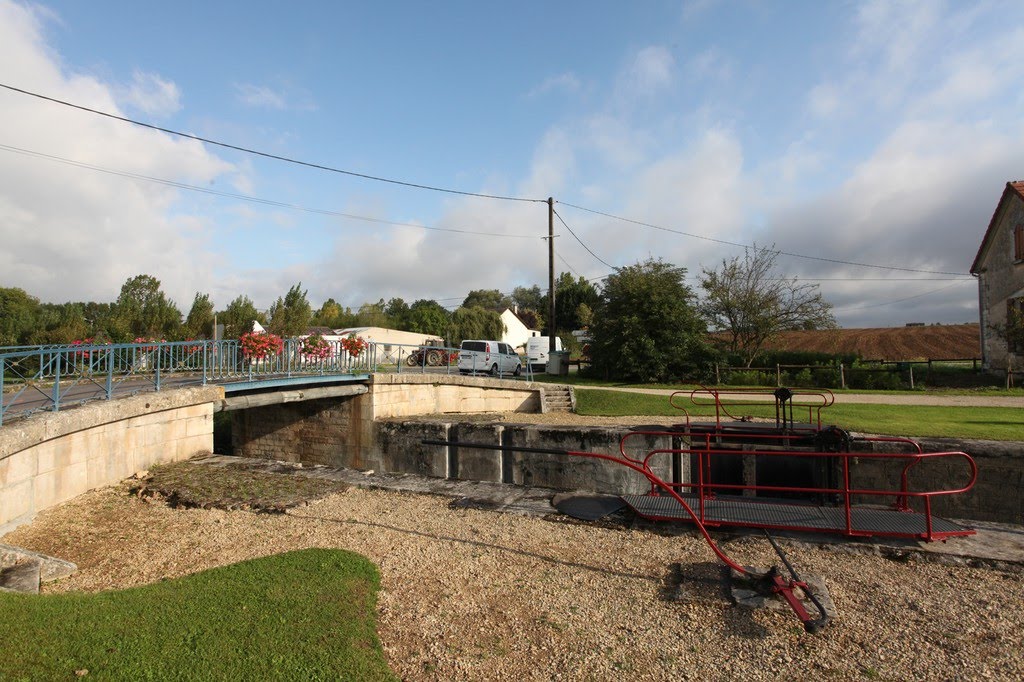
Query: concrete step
[
  {"x": 21, "y": 577},
  {"x": 22, "y": 570}
]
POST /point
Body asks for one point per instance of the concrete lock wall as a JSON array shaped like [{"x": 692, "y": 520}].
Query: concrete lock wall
[
  {"x": 402, "y": 451},
  {"x": 407, "y": 395},
  {"x": 53, "y": 457},
  {"x": 998, "y": 494}
]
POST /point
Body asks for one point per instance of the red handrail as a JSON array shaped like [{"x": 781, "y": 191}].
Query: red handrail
[
  {"x": 814, "y": 401},
  {"x": 705, "y": 489}
]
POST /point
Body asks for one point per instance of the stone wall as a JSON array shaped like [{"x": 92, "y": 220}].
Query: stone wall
[
  {"x": 998, "y": 494},
  {"x": 52, "y": 457},
  {"x": 323, "y": 431},
  {"x": 406, "y": 395}
]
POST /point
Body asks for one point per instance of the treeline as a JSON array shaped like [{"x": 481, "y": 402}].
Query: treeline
[
  {"x": 143, "y": 311},
  {"x": 646, "y": 323}
]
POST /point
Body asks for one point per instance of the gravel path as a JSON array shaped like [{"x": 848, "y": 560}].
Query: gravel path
[{"x": 478, "y": 595}]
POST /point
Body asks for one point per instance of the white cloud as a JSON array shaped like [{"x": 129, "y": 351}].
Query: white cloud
[
  {"x": 152, "y": 95},
  {"x": 711, "y": 64},
  {"x": 76, "y": 234},
  {"x": 564, "y": 82},
  {"x": 650, "y": 71},
  {"x": 259, "y": 96}
]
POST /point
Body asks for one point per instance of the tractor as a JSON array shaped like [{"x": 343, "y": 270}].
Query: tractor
[{"x": 433, "y": 353}]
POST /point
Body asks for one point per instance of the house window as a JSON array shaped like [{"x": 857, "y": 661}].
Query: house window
[
  {"x": 1018, "y": 243},
  {"x": 1015, "y": 325}
]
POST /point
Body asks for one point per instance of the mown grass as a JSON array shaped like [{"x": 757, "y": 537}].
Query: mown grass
[
  {"x": 921, "y": 421},
  {"x": 304, "y": 615}
]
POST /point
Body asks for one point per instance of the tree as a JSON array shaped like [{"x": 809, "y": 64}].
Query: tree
[
  {"x": 19, "y": 316},
  {"x": 290, "y": 316},
  {"x": 373, "y": 315},
  {"x": 397, "y": 311},
  {"x": 585, "y": 314},
  {"x": 238, "y": 317},
  {"x": 428, "y": 317},
  {"x": 143, "y": 310},
  {"x": 746, "y": 299},
  {"x": 489, "y": 299},
  {"x": 333, "y": 315},
  {"x": 474, "y": 323},
  {"x": 647, "y": 326},
  {"x": 569, "y": 294},
  {"x": 531, "y": 298},
  {"x": 199, "y": 322}
]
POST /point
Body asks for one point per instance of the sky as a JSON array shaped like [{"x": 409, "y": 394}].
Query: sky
[{"x": 868, "y": 142}]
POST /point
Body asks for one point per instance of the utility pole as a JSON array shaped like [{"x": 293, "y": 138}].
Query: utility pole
[{"x": 551, "y": 275}]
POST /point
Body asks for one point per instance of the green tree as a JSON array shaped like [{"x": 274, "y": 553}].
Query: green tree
[
  {"x": 428, "y": 317},
  {"x": 291, "y": 315},
  {"x": 474, "y": 323},
  {"x": 585, "y": 314},
  {"x": 749, "y": 301},
  {"x": 143, "y": 310},
  {"x": 238, "y": 317},
  {"x": 489, "y": 299},
  {"x": 397, "y": 311},
  {"x": 199, "y": 322},
  {"x": 530, "y": 298},
  {"x": 647, "y": 327},
  {"x": 333, "y": 315},
  {"x": 570, "y": 293},
  {"x": 373, "y": 315},
  {"x": 19, "y": 316}
]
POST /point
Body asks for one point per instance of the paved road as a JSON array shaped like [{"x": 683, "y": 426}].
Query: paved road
[{"x": 865, "y": 398}]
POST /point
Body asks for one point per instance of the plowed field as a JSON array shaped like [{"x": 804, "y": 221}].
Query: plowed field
[{"x": 936, "y": 342}]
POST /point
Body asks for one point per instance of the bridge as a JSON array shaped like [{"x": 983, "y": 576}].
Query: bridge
[
  {"x": 52, "y": 378},
  {"x": 137, "y": 405}
]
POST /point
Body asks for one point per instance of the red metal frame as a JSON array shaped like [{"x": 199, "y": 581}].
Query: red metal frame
[
  {"x": 702, "y": 447},
  {"x": 814, "y": 401}
]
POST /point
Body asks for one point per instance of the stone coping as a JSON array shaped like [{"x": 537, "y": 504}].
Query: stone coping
[{"x": 41, "y": 427}]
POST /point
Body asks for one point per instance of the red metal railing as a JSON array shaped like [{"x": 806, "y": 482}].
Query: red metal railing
[
  {"x": 813, "y": 401},
  {"x": 703, "y": 447}
]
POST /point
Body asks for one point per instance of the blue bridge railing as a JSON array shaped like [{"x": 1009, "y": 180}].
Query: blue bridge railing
[
  {"x": 49, "y": 377},
  {"x": 53, "y": 377}
]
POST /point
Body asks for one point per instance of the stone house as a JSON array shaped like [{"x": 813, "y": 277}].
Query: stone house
[{"x": 999, "y": 267}]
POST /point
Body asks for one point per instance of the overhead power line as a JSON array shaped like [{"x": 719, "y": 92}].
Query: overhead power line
[
  {"x": 267, "y": 155},
  {"x": 581, "y": 242},
  {"x": 752, "y": 246},
  {"x": 246, "y": 197}
]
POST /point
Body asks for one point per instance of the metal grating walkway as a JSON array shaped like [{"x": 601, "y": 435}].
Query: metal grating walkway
[{"x": 755, "y": 513}]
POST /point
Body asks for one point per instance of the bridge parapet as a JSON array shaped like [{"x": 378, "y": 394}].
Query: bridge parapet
[{"x": 54, "y": 457}]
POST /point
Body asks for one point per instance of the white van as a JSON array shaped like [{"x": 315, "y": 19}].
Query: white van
[
  {"x": 537, "y": 348},
  {"x": 493, "y": 357}
]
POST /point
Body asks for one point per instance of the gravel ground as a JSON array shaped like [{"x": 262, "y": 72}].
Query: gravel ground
[{"x": 478, "y": 595}]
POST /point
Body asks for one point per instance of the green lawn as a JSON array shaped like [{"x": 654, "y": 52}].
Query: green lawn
[
  {"x": 305, "y": 615},
  {"x": 990, "y": 423}
]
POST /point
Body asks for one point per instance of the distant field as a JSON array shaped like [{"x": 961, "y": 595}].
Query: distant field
[{"x": 945, "y": 341}]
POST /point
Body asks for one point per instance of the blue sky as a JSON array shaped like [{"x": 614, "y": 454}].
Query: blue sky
[{"x": 878, "y": 133}]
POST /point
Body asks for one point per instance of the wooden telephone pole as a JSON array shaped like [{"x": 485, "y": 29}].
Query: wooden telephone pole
[{"x": 551, "y": 276}]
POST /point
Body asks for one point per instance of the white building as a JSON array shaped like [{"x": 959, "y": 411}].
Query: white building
[{"x": 516, "y": 333}]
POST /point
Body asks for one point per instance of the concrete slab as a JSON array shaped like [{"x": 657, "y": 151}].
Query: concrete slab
[
  {"x": 50, "y": 568},
  {"x": 21, "y": 577}
]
